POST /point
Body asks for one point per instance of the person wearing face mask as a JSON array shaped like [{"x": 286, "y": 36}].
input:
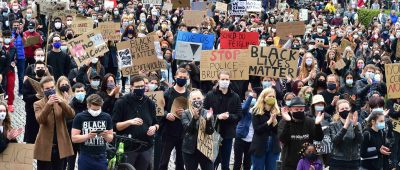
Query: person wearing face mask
[
  {"x": 91, "y": 66},
  {"x": 374, "y": 147},
  {"x": 346, "y": 137},
  {"x": 175, "y": 21},
  {"x": 358, "y": 68},
  {"x": 15, "y": 9},
  {"x": 110, "y": 92},
  {"x": 135, "y": 114},
  {"x": 308, "y": 69},
  {"x": 164, "y": 33},
  {"x": 52, "y": 143},
  {"x": 63, "y": 89},
  {"x": 57, "y": 59},
  {"x": 310, "y": 159},
  {"x": 39, "y": 57},
  {"x": 295, "y": 129},
  {"x": 7, "y": 133},
  {"x": 9, "y": 53},
  {"x": 94, "y": 84},
  {"x": 92, "y": 129},
  {"x": 331, "y": 94},
  {"x": 226, "y": 105},
  {"x": 172, "y": 130},
  {"x": 29, "y": 50},
  {"x": 349, "y": 86},
  {"x": 368, "y": 83}
]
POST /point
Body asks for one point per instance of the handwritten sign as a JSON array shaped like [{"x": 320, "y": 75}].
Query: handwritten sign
[
  {"x": 17, "y": 156},
  {"x": 207, "y": 144},
  {"x": 273, "y": 62},
  {"x": 180, "y": 4},
  {"x": 188, "y": 51},
  {"x": 286, "y": 28},
  {"x": 200, "y": 5},
  {"x": 143, "y": 53},
  {"x": 303, "y": 15},
  {"x": 392, "y": 72},
  {"x": 154, "y": 2},
  {"x": 345, "y": 43},
  {"x": 179, "y": 103},
  {"x": 237, "y": 8},
  {"x": 398, "y": 50},
  {"x": 81, "y": 25},
  {"x": 207, "y": 40},
  {"x": 88, "y": 45},
  {"x": 221, "y": 6},
  {"x": 234, "y": 60},
  {"x": 193, "y": 18},
  {"x": 32, "y": 40},
  {"x": 238, "y": 40},
  {"x": 167, "y": 6},
  {"x": 110, "y": 31},
  {"x": 158, "y": 98},
  {"x": 253, "y": 6}
]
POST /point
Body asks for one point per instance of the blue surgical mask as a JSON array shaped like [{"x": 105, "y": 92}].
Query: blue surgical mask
[
  {"x": 319, "y": 108},
  {"x": 80, "y": 96},
  {"x": 380, "y": 126},
  {"x": 266, "y": 84},
  {"x": 95, "y": 83},
  {"x": 349, "y": 82},
  {"x": 379, "y": 109},
  {"x": 253, "y": 102},
  {"x": 369, "y": 75},
  {"x": 288, "y": 102}
]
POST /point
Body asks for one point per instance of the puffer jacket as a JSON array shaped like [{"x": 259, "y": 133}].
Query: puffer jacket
[
  {"x": 346, "y": 142},
  {"x": 19, "y": 45}
]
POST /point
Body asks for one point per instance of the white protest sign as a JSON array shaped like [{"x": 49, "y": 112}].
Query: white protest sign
[
  {"x": 124, "y": 58},
  {"x": 154, "y": 2},
  {"x": 237, "y": 8},
  {"x": 253, "y": 6},
  {"x": 188, "y": 51},
  {"x": 303, "y": 15}
]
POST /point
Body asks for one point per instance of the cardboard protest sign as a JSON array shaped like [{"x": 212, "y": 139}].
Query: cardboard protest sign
[
  {"x": 283, "y": 29},
  {"x": 398, "y": 50},
  {"x": 340, "y": 64},
  {"x": 396, "y": 124},
  {"x": 33, "y": 40},
  {"x": 207, "y": 40},
  {"x": 233, "y": 60},
  {"x": 17, "y": 156},
  {"x": 345, "y": 43},
  {"x": 188, "y": 51},
  {"x": 47, "y": 7},
  {"x": 180, "y": 3},
  {"x": 273, "y": 62},
  {"x": 237, "y": 8},
  {"x": 179, "y": 103},
  {"x": 82, "y": 25},
  {"x": 207, "y": 144},
  {"x": 253, "y": 6},
  {"x": 221, "y": 6},
  {"x": 154, "y": 2},
  {"x": 110, "y": 31},
  {"x": 36, "y": 86},
  {"x": 200, "y": 6},
  {"x": 88, "y": 45},
  {"x": 238, "y": 40},
  {"x": 392, "y": 72},
  {"x": 158, "y": 98},
  {"x": 143, "y": 55},
  {"x": 167, "y": 6},
  {"x": 193, "y": 18}
]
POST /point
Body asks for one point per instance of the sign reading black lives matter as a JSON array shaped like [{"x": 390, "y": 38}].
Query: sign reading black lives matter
[
  {"x": 158, "y": 98},
  {"x": 273, "y": 62}
]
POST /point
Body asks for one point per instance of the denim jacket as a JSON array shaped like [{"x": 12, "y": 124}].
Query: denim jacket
[{"x": 242, "y": 129}]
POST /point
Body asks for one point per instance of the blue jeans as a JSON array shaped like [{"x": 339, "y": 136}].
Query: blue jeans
[
  {"x": 224, "y": 154},
  {"x": 92, "y": 162},
  {"x": 21, "y": 72},
  {"x": 267, "y": 161}
]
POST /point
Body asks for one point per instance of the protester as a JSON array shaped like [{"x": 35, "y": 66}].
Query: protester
[
  {"x": 7, "y": 133},
  {"x": 57, "y": 59},
  {"x": 109, "y": 92},
  {"x": 8, "y": 70},
  {"x": 310, "y": 159}
]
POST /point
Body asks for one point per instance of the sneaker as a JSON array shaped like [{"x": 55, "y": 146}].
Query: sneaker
[{"x": 10, "y": 108}]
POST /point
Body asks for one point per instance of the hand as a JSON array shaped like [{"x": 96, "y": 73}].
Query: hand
[
  {"x": 335, "y": 99},
  {"x": 105, "y": 133},
  {"x": 348, "y": 120},
  {"x": 210, "y": 113},
  {"x": 117, "y": 89},
  {"x": 87, "y": 62},
  {"x": 112, "y": 92},
  {"x": 14, "y": 133},
  {"x": 272, "y": 119},
  {"x": 312, "y": 167},
  {"x": 136, "y": 121},
  {"x": 91, "y": 135},
  {"x": 1, "y": 78},
  {"x": 223, "y": 116},
  {"x": 179, "y": 111},
  {"x": 289, "y": 79},
  {"x": 385, "y": 150},
  {"x": 386, "y": 112},
  {"x": 170, "y": 117},
  {"x": 66, "y": 95},
  {"x": 151, "y": 131},
  {"x": 13, "y": 64},
  {"x": 355, "y": 118},
  {"x": 319, "y": 118},
  {"x": 195, "y": 113},
  {"x": 369, "y": 80},
  {"x": 52, "y": 100},
  {"x": 285, "y": 114}
]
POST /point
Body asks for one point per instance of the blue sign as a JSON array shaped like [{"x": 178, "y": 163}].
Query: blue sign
[{"x": 207, "y": 40}]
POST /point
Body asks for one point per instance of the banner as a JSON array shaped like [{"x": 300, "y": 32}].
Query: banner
[
  {"x": 238, "y": 40},
  {"x": 188, "y": 51},
  {"x": 143, "y": 55},
  {"x": 237, "y": 8},
  {"x": 193, "y": 18},
  {"x": 273, "y": 62},
  {"x": 17, "y": 156},
  {"x": 392, "y": 72},
  {"x": 86, "y": 46},
  {"x": 233, "y": 60},
  {"x": 180, "y": 4},
  {"x": 221, "y": 6},
  {"x": 207, "y": 40},
  {"x": 154, "y": 2},
  {"x": 110, "y": 30},
  {"x": 158, "y": 98},
  {"x": 253, "y": 6},
  {"x": 81, "y": 25},
  {"x": 283, "y": 29}
]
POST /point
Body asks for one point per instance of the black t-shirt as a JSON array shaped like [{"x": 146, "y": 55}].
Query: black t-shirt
[{"x": 85, "y": 122}]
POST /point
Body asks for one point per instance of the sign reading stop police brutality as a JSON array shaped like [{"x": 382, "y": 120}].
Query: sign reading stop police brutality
[
  {"x": 207, "y": 40},
  {"x": 392, "y": 72},
  {"x": 238, "y": 40},
  {"x": 233, "y": 60},
  {"x": 273, "y": 62}
]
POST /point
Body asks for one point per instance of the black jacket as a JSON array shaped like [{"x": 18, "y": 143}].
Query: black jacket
[
  {"x": 6, "y": 57},
  {"x": 31, "y": 126},
  {"x": 60, "y": 62},
  {"x": 220, "y": 103},
  {"x": 346, "y": 142},
  {"x": 191, "y": 128},
  {"x": 370, "y": 149},
  {"x": 109, "y": 102},
  {"x": 262, "y": 133}
]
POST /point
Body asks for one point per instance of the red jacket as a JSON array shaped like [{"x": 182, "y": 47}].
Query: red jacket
[{"x": 30, "y": 51}]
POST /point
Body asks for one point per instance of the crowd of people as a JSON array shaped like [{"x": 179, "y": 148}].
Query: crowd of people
[{"x": 326, "y": 116}]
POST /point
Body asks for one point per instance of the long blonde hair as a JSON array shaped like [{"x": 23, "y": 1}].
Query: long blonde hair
[
  {"x": 304, "y": 72},
  {"x": 190, "y": 100},
  {"x": 259, "y": 107},
  {"x": 58, "y": 85}
]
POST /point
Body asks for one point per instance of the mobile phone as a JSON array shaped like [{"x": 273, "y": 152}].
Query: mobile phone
[{"x": 98, "y": 131}]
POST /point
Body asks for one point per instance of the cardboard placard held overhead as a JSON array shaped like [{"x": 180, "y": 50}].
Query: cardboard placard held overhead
[
  {"x": 233, "y": 60},
  {"x": 273, "y": 62},
  {"x": 32, "y": 41},
  {"x": 180, "y": 4},
  {"x": 179, "y": 103},
  {"x": 238, "y": 40},
  {"x": 283, "y": 29},
  {"x": 167, "y": 6},
  {"x": 158, "y": 98},
  {"x": 207, "y": 40},
  {"x": 188, "y": 51},
  {"x": 200, "y": 6},
  {"x": 143, "y": 54},
  {"x": 88, "y": 45},
  {"x": 253, "y": 6},
  {"x": 221, "y": 6},
  {"x": 392, "y": 72},
  {"x": 82, "y": 25},
  {"x": 154, "y": 2},
  {"x": 237, "y": 8},
  {"x": 17, "y": 156},
  {"x": 110, "y": 31},
  {"x": 193, "y": 18},
  {"x": 345, "y": 43}
]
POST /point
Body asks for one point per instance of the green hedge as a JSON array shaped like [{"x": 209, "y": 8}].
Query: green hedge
[{"x": 365, "y": 15}]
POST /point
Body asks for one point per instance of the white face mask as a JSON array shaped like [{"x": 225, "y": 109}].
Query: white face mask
[
  {"x": 224, "y": 84},
  {"x": 39, "y": 59},
  {"x": 57, "y": 25},
  {"x": 94, "y": 113},
  {"x": 95, "y": 60},
  {"x": 2, "y": 115},
  {"x": 69, "y": 22}
]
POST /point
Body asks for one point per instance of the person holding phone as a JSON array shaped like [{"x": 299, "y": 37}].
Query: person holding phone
[{"x": 92, "y": 128}]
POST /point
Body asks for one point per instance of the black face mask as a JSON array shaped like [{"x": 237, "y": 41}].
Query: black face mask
[
  {"x": 64, "y": 88},
  {"x": 298, "y": 115},
  {"x": 321, "y": 83},
  {"x": 70, "y": 36},
  {"x": 344, "y": 114},
  {"x": 311, "y": 156},
  {"x": 40, "y": 73}
]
